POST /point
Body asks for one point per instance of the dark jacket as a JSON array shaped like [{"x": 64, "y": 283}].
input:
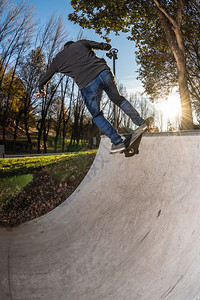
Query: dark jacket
[{"x": 78, "y": 61}]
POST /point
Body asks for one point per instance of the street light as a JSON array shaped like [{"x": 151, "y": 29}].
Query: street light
[{"x": 113, "y": 54}]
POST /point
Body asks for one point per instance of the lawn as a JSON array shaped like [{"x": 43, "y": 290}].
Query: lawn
[
  {"x": 16, "y": 166},
  {"x": 32, "y": 186},
  {"x": 12, "y": 185}
]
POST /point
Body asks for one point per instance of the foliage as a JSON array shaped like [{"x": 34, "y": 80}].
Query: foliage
[
  {"x": 16, "y": 93},
  {"x": 158, "y": 69}
]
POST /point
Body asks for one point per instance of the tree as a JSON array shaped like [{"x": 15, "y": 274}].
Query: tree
[
  {"x": 11, "y": 111},
  {"x": 78, "y": 116},
  {"x": 50, "y": 40},
  {"x": 66, "y": 112},
  {"x": 63, "y": 110},
  {"x": 15, "y": 36},
  {"x": 17, "y": 107},
  {"x": 16, "y": 28},
  {"x": 192, "y": 44},
  {"x": 31, "y": 68},
  {"x": 164, "y": 16}
]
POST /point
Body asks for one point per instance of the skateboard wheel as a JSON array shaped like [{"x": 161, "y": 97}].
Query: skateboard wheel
[{"x": 131, "y": 151}]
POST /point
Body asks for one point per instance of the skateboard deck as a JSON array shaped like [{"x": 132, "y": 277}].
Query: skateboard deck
[
  {"x": 132, "y": 144},
  {"x": 133, "y": 148}
]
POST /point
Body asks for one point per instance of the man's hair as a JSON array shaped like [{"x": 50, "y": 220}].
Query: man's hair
[{"x": 68, "y": 43}]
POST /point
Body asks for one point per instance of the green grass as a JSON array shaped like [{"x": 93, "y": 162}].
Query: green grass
[
  {"x": 16, "y": 166},
  {"x": 72, "y": 166},
  {"x": 16, "y": 173},
  {"x": 11, "y": 186},
  {"x": 24, "y": 165}
]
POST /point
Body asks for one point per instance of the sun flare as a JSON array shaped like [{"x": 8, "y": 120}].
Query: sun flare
[{"x": 172, "y": 107}]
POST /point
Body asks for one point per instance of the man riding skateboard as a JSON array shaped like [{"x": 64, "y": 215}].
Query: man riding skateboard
[{"x": 93, "y": 76}]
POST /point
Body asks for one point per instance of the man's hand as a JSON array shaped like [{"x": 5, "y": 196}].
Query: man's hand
[
  {"x": 42, "y": 94},
  {"x": 106, "y": 46}
]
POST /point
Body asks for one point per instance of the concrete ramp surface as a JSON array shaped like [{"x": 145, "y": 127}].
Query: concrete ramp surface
[{"x": 131, "y": 230}]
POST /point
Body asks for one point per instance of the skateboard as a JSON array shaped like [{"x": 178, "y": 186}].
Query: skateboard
[{"x": 132, "y": 143}]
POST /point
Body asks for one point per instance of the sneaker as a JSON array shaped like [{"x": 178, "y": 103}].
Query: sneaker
[
  {"x": 127, "y": 140},
  {"x": 143, "y": 127},
  {"x": 140, "y": 129},
  {"x": 117, "y": 148},
  {"x": 149, "y": 121}
]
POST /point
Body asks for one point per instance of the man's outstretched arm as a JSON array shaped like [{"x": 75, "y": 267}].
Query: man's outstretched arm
[
  {"x": 52, "y": 69},
  {"x": 98, "y": 46}
]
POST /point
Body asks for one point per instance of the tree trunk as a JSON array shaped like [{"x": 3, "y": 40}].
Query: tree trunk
[
  {"x": 63, "y": 140},
  {"x": 15, "y": 134},
  {"x": 40, "y": 129},
  {"x": 58, "y": 126},
  {"x": 4, "y": 132},
  {"x": 45, "y": 139},
  {"x": 187, "y": 118},
  {"x": 56, "y": 140},
  {"x": 63, "y": 135},
  {"x": 27, "y": 131},
  {"x": 39, "y": 140},
  {"x": 172, "y": 28}
]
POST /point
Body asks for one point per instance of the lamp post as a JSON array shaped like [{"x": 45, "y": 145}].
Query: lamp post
[{"x": 113, "y": 54}]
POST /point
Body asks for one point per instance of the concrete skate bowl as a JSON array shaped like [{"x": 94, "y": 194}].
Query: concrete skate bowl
[{"x": 131, "y": 230}]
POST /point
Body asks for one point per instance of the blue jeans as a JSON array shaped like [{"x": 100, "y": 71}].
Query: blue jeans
[{"x": 92, "y": 94}]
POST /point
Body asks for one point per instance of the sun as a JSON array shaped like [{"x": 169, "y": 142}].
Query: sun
[
  {"x": 171, "y": 108},
  {"x": 169, "y": 112}
]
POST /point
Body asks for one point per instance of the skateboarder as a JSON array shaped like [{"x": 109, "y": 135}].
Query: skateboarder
[{"x": 93, "y": 76}]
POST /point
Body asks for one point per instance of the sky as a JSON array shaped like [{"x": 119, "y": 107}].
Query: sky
[{"x": 126, "y": 67}]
